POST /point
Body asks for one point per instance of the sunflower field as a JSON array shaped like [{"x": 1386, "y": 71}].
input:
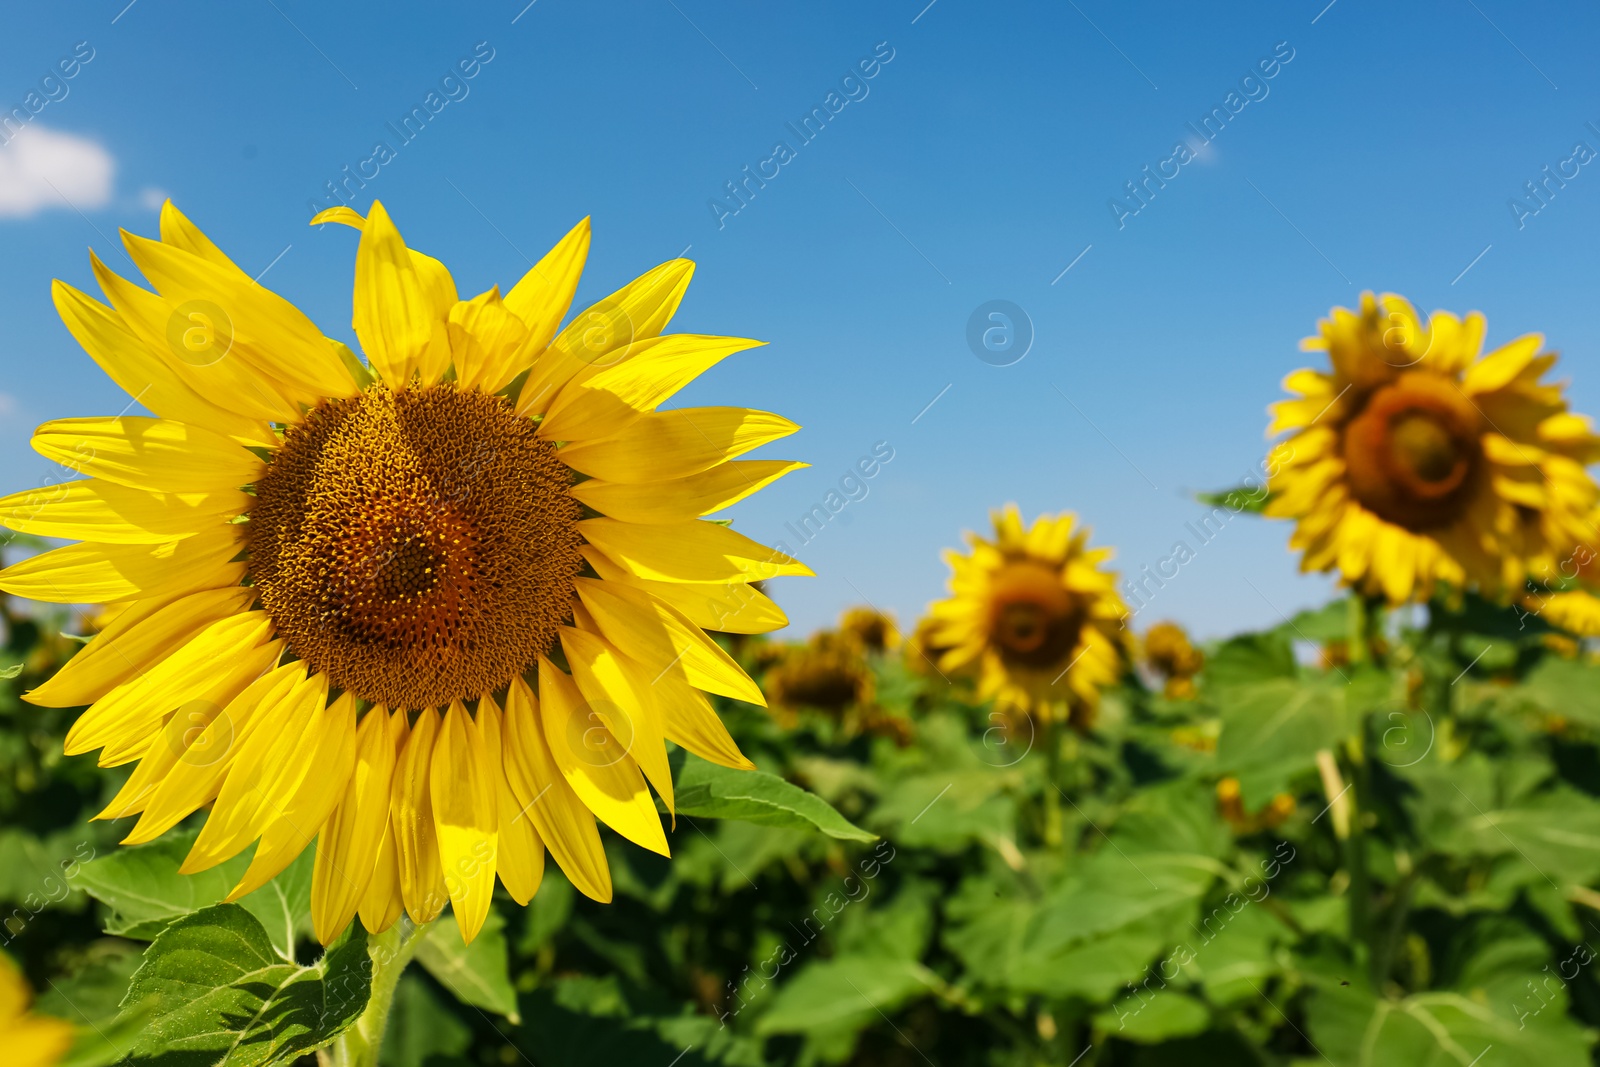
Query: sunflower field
[{"x": 437, "y": 724}]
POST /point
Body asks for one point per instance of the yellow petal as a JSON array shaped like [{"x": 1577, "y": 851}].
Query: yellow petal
[
  {"x": 685, "y": 498},
  {"x": 596, "y": 336},
  {"x": 416, "y": 843},
  {"x": 462, "y": 789},
  {"x": 693, "y": 724},
  {"x": 644, "y": 374},
  {"x": 262, "y": 776},
  {"x": 496, "y": 340},
  {"x": 178, "y": 231},
  {"x": 595, "y": 764},
  {"x": 618, "y": 691},
  {"x": 268, "y": 333},
  {"x": 520, "y": 858},
  {"x": 297, "y": 806},
  {"x": 725, "y": 607},
  {"x": 400, "y": 326},
  {"x": 659, "y": 637},
  {"x": 347, "y": 847},
  {"x": 162, "y": 455},
  {"x": 194, "y": 339},
  {"x": 687, "y": 552},
  {"x": 88, "y": 573},
  {"x": 179, "y": 740},
  {"x": 543, "y": 795},
  {"x": 145, "y": 375},
  {"x": 665, "y": 445},
  {"x": 382, "y": 903},
  {"x": 544, "y": 294},
  {"x": 133, "y": 642},
  {"x": 95, "y": 510}
]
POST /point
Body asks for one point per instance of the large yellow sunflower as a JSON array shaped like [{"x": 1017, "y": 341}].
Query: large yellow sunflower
[
  {"x": 1414, "y": 461},
  {"x": 438, "y": 611},
  {"x": 1034, "y": 615}
]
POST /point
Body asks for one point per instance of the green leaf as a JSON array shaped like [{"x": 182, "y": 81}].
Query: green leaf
[
  {"x": 1355, "y": 1029},
  {"x": 1153, "y": 1018},
  {"x": 1244, "y": 498},
  {"x": 479, "y": 973},
  {"x": 105, "y": 1043},
  {"x": 845, "y": 992},
  {"x": 221, "y": 993},
  {"x": 706, "y": 790},
  {"x": 1272, "y": 731},
  {"x": 1250, "y": 659},
  {"x": 13, "y": 671},
  {"x": 145, "y": 892},
  {"x": 1567, "y": 687}
]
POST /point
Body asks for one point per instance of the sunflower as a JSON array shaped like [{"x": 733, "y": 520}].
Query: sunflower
[
  {"x": 1414, "y": 461},
  {"x": 1170, "y": 653},
  {"x": 875, "y": 631},
  {"x": 30, "y": 1040},
  {"x": 828, "y": 673},
  {"x": 1034, "y": 614},
  {"x": 438, "y": 610}
]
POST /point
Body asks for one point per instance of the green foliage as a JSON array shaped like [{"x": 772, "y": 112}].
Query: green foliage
[{"x": 1364, "y": 840}]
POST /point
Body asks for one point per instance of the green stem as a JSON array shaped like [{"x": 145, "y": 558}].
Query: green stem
[
  {"x": 389, "y": 952},
  {"x": 1051, "y": 740},
  {"x": 1356, "y": 848},
  {"x": 1356, "y": 639}
]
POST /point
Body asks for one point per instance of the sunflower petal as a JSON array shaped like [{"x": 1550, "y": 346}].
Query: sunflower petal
[
  {"x": 161, "y": 455},
  {"x": 520, "y": 858},
  {"x": 347, "y": 847},
  {"x": 397, "y": 318},
  {"x": 462, "y": 789},
  {"x": 666, "y": 445},
  {"x": 687, "y": 552},
  {"x": 96, "y": 510},
  {"x": 382, "y": 902},
  {"x": 87, "y": 573},
  {"x": 544, "y": 294},
  {"x": 686, "y": 498},
  {"x": 595, "y": 764},
  {"x": 416, "y": 842},
  {"x": 295, "y": 811},
  {"x": 543, "y": 796},
  {"x": 618, "y": 691},
  {"x": 734, "y": 607},
  {"x": 644, "y": 375},
  {"x": 633, "y": 619}
]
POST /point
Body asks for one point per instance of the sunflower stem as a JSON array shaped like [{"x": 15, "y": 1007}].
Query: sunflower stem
[
  {"x": 1051, "y": 730},
  {"x": 389, "y": 953}
]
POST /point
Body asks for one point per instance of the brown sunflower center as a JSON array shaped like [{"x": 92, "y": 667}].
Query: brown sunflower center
[
  {"x": 417, "y": 546},
  {"x": 1034, "y": 621},
  {"x": 1414, "y": 453}
]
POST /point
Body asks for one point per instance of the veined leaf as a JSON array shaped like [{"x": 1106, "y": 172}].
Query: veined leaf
[
  {"x": 705, "y": 790},
  {"x": 479, "y": 973}
]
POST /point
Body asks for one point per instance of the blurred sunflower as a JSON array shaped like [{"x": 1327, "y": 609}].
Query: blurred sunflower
[
  {"x": 1169, "y": 652},
  {"x": 30, "y": 1040},
  {"x": 827, "y": 673},
  {"x": 322, "y": 563},
  {"x": 1034, "y": 615},
  {"x": 875, "y": 631},
  {"x": 1230, "y": 804},
  {"x": 1414, "y": 460}
]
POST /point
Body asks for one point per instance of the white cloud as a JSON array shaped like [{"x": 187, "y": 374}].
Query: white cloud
[
  {"x": 151, "y": 198},
  {"x": 40, "y": 167}
]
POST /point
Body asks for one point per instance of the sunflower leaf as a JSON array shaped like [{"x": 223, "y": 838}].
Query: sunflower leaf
[
  {"x": 220, "y": 993},
  {"x": 479, "y": 973},
  {"x": 705, "y": 790},
  {"x": 142, "y": 887}
]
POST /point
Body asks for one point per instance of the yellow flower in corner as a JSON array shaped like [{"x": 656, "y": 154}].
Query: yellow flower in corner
[
  {"x": 440, "y": 610},
  {"x": 1413, "y": 460},
  {"x": 29, "y": 1040},
  {"x": 1034, "y": 615}
]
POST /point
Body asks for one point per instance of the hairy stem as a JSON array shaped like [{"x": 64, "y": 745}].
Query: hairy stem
[{"x": 389, "y": 952}]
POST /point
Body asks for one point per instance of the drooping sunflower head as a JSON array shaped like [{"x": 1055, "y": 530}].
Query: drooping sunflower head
[
  {"x": 875, "y": 631},
  {"x": 438, "y": 610},
  {"x": 1414, "y": 461},
  {"x": 1034, "y": 614}
]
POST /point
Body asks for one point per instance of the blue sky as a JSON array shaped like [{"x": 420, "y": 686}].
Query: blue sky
[{"x": 975, "y": 165}]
